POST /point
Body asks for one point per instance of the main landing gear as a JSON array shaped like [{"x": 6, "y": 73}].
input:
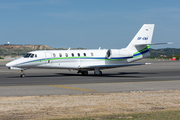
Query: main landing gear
[
  {"x": 96, "y": 72},
  {"x": 84, "y": 73},
  {"x": 22, "y": 74}
]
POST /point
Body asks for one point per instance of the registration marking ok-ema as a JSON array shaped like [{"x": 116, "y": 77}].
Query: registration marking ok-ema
[{"x": 89, "y": 60}]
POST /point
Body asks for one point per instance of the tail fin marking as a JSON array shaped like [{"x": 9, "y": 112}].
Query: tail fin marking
[{"x": 142, "y": 39}]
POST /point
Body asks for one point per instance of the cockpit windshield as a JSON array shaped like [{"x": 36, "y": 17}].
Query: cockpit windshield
[
  {"x": 30, "y": 55},
  {"x": 27, "y": 55}
]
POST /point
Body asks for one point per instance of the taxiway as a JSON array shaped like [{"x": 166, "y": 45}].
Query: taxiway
[{"x": 160, "y": 75}]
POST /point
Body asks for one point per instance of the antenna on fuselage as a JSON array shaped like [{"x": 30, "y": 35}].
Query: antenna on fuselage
[
  {"x": 99, "y": 48},
  {"x": 69, "y": 48}
]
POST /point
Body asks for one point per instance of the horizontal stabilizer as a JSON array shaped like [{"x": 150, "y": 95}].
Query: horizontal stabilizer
[
  {"x": 153, "y": 44},
  {"x": 112, "y": 66}
]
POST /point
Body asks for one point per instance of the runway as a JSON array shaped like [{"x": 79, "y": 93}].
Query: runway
[{"x": 160, "y": 75}]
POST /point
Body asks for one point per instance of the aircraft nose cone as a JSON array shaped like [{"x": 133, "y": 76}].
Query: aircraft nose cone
[{"x": 10, "y": 64}]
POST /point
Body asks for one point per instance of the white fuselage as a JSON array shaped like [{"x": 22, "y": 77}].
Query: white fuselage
[{"x": 74, "y": 59}]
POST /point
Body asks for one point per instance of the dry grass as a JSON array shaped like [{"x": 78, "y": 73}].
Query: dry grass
[{"x": 69, "y": 106}]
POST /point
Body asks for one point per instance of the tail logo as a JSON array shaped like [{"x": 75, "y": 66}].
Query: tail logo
[{"x": 142, "y": 38}]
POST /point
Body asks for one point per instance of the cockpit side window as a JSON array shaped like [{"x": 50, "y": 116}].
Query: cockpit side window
[
  {"x": 32, "y": 55},
  {"x": 27, "y": 55}
]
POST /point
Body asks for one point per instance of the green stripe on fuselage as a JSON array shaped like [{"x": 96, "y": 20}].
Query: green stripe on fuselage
[
  {"x": 143, "y": 49},
  {"x": 92, "y": 57},
  {"x": 76, "y": 58}
]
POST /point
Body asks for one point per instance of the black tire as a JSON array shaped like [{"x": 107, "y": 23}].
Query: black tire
[
  {"x": 100, "y": 73},
  {"x": 84, "y": 73},
  {"x": 22, "y": 75}
]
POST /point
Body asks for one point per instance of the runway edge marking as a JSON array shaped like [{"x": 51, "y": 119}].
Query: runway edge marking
[{"x": 74, "y": 88}]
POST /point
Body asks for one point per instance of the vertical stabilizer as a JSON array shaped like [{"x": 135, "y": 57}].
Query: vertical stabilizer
[{"x": 144, "y": 36}]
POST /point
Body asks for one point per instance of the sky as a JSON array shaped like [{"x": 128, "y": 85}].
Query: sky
[{"x": 109, "y": 24}]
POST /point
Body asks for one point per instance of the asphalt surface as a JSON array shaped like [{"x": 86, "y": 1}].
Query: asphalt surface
[{"x": 160, "y": 75}]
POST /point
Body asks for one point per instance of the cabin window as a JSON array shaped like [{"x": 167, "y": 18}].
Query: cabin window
[
  {"x": 66, "y": 55},
  {"x": 72, "y": 54},
  {"x": 79, "y": 54},
  {"x": 85, "y": 54},
  {"x": 35, "y": 55},
  {"x": 54, "y": 55},
  {"x": 60, "y": 55},
  {"x": 92, "y": 54}
]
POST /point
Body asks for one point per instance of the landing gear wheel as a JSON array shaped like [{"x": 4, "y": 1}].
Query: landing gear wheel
[
  {"x": 99, "y": 74},
  {"x": 84, "y": 73},
  {"x": 23, "y": 75}
]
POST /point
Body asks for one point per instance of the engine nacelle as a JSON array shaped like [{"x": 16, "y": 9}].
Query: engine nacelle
[{"x": 118, "y": 53}]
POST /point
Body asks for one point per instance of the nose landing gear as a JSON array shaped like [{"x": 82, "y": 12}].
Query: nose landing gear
[{"x": 22, "y": 74}]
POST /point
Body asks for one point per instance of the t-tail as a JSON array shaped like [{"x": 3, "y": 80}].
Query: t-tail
[{"x": 141, "y": 43}]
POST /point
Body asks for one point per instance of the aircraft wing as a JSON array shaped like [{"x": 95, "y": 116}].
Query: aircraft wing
[{"x": 112, "y": 66}]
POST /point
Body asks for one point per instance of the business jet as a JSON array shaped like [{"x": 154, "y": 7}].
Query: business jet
[{"x": 89, "y": 60}]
